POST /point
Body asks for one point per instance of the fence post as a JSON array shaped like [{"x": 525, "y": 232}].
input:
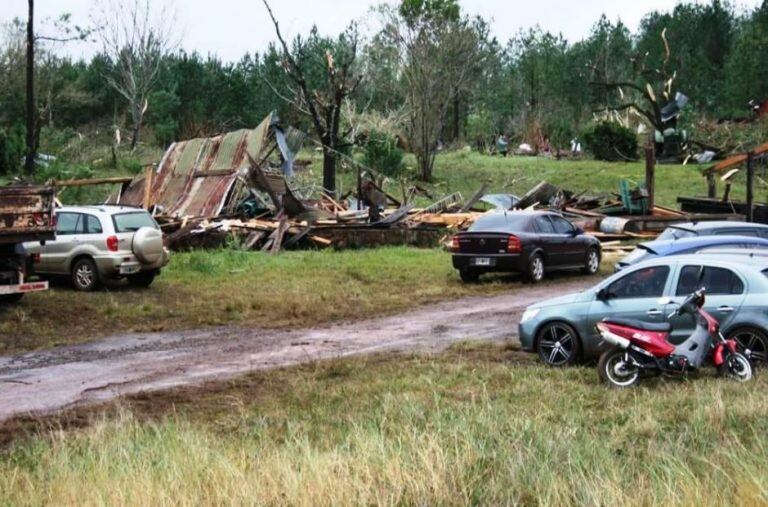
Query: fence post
[{"x": 750, "y": 187}]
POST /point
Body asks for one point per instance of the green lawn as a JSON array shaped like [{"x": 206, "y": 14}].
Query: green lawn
[{"x": 481, "y": 424}]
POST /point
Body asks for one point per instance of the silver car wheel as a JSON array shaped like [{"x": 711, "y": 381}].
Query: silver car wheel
[
  {"x": 537, "y": 268},
  {"x": 84, "y": 275},
  {"x": 593, "y": 262}
]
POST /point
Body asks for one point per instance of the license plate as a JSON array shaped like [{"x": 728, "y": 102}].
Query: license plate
[
  {"x": 127, "y": 270},
  {"x": 482, "y": 261}
]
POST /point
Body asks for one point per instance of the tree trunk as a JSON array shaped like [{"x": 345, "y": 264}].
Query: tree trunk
[
  {"x": 456, "y": 116},
  {"x": 329, "y": 170},
  {"x": 138, "y": 117},
  {"x": 29, "y": 160}
]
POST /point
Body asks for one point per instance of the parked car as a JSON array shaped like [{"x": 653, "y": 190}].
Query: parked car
[
  {"x": 714, "y": 228},
  {"x": 562, "y": 329},
  {"x": 695, "y": 244},
  {"x": 96, "y": 243},
  {"x": 528, "y": 242}
]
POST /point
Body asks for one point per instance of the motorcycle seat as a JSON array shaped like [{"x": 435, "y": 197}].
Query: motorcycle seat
[{"x": 662, "y": 327}]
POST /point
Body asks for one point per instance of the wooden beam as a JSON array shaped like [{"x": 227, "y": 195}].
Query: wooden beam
[
  {"x": 93, "y": 181},
  {"x": 149, "y": 173}
]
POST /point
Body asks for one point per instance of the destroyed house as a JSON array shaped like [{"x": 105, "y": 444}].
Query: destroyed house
[{"x": 207, "y": 177}]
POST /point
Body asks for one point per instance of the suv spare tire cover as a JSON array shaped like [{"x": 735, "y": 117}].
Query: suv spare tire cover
[{"x": 148, "y": 245}]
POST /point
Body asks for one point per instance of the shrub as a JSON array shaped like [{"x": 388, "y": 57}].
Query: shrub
[
  {"x": 382, "y": 154},
  {"x": 12, "y": 148},
  {"x": 611, "y": 141}
]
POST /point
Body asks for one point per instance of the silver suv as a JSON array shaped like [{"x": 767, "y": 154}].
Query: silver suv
[{"x": 95, "y": 243}]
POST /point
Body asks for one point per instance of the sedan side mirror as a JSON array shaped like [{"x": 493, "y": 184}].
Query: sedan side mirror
[
  {"x": 577, "y": 231},
  {"x": 602, "y": 294}
]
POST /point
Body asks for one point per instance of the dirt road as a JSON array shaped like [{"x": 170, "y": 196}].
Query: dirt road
[{"x": 43, "y": 382}]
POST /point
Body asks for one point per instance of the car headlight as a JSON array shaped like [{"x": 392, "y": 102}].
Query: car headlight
[{"x": 528, "y": 314}]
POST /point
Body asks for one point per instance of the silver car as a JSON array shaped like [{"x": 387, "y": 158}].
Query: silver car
[{"x": 96, "y": 243}]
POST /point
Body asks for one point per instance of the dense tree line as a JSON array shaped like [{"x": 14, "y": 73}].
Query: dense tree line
[{"x": 535, "y": 84}]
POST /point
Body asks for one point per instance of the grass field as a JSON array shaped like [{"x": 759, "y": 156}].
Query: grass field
[
  {"x": 481, "y": 424},
  {"x": 205, "y": 288}
]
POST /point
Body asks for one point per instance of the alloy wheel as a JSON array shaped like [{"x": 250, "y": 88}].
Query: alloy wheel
[
  {"x": 537, "y": 268},
  {"x": 84, "y": 275},
  {"x": 593, "y": 262},
  {"x": 557, "y": 345},
  {"x": 753, "y": 345}
]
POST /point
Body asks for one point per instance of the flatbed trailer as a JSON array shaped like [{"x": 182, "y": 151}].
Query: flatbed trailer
[{"x": 26, "y": 214}]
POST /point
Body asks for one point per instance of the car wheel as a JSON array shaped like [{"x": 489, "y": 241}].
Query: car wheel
[
  {"x": 142, "y": 280},
  {"x": 535, "y": 268},
  {"x": 85, "y": 276},
  {"x": 469, "y": 275},
  {"x": 753, "y": 344},
  {"x": 558, "y": 344},
  {"x": 8, "y": 299},
  {"x": 593, "y": 262}
]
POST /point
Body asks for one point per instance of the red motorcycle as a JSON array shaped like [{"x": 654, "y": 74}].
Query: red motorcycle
[{"x": 641, "y": 349}]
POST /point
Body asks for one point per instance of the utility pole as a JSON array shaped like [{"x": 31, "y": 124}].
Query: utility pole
[
  {"x": 29, "y": 160},
  {"x": 750, "y": 187}
]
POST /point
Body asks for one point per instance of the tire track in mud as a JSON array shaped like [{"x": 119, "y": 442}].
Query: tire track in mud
[{"x": 44, "y": 382}]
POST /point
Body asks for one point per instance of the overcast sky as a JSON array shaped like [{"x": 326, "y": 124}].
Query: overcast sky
[{"x": 230, "y": 28}]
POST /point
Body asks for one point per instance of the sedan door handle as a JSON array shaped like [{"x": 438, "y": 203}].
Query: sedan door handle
[
  {"x": 725, "y": 309},
  {"x": 653, "y": 312}
]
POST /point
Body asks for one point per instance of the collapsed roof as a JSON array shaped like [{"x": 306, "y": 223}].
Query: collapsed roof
[{"x": 205, "y": 177}]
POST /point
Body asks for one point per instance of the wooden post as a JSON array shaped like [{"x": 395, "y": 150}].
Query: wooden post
[
  {"x": 359, "y": 188},
  {"x": 149, "y": 172},
  {"x": 711, "y": 185},
  {"x": 750, "y": 187},
  {"x": 650, "y": 174}
]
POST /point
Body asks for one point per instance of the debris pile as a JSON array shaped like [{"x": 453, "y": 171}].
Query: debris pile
[{"x": 240, "y": 188}]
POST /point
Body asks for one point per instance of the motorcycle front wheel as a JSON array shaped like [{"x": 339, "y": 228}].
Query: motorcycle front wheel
[
  {"x": 618, "y": 369},
  {"x": 737, "y": 367}
]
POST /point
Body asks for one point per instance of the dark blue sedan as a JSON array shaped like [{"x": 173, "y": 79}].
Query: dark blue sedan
[{"x": 665, "y": 248}]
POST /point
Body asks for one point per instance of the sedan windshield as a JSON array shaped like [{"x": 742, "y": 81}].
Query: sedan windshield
[
  {"x": 506, "y": 222},
  {"x": 133, "y": 221},
  {"x": 675, "y": 233}
]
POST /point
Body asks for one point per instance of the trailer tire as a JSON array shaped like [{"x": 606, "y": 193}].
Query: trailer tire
[{"x": 9, "y": 299}]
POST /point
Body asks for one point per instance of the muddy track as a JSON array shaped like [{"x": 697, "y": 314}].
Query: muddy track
[{"x": 46, "y": 381}]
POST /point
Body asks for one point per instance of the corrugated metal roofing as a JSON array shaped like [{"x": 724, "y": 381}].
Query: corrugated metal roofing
[{"x": 180, "y": 186}]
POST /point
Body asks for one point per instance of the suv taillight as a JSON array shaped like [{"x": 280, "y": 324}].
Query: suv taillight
[
  {"x": 112, "y": 243},
  {"x": 513, "y": 244},
  {"x": 455, "y": 244}
]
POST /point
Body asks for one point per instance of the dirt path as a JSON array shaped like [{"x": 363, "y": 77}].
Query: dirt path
[{"x": 47, "y": 381}]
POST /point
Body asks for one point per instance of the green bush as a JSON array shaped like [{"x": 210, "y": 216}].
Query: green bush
[
  {"x": 382, "y": 154},
  {"x": 612, "y": 142},
  {"x": 12, "y": 147}
]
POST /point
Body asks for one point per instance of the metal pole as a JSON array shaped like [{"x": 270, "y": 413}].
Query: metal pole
[{"x": 750, "y": 187}]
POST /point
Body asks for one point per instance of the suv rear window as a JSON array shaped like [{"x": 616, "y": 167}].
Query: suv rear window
[{"x": 133, "y": 221}]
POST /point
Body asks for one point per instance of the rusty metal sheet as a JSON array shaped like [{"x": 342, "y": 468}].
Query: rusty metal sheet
[
  {"x": 26, "y": 213},
  {"x": 191, "y": 179}
]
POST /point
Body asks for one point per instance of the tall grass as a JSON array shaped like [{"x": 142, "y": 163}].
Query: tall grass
[{"x": 446, "y": 430}]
